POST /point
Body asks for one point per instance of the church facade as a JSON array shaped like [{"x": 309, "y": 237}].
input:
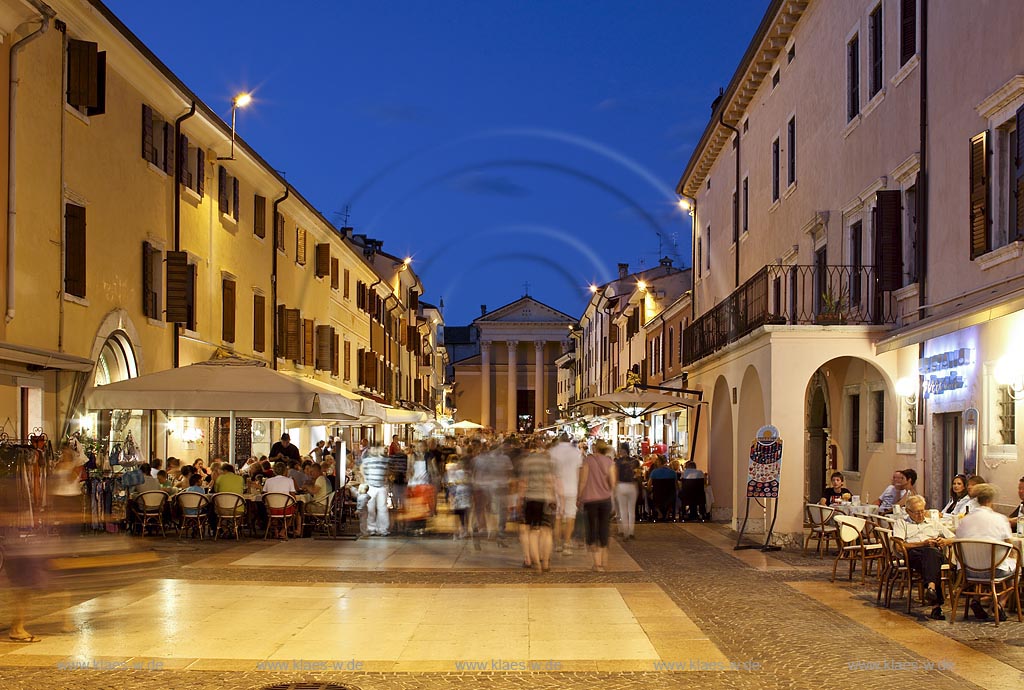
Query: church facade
[{"x": 509, "y": 382}]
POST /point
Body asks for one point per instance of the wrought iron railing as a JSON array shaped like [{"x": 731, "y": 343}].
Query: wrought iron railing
[{"x": 796, "y": 295}]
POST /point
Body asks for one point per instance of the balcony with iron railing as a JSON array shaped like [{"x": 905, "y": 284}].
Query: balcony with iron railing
[{"x": 790, "y": 295}]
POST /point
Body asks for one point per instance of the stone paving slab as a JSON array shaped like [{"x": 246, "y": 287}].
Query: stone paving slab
[{"x": 752, "y": 615}]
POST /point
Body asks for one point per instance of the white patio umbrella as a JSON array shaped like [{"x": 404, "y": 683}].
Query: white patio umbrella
[
  {"x": 230, "y": 385},
  {"x": 466, "y": 424}
]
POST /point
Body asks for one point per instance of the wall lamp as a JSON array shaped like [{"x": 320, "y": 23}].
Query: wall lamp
[
  {"x": 1010, "y": 373},
  {"x": 907, "y": 388},
  {"x": 239, "y": 101}
]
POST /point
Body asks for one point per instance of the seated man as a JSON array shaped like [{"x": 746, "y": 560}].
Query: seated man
[
  {"x": 835, "y": 493},
  {"x": 1016, "y": 514},
  {"x": 319, "y": 487},
  {"x": 664, "y": 486},
  {"x": 228, "y": 481},
  {"x": 985, "y": 523},
  {"x": 923, "y": 541},
  {"x": 893, "y": 493},
  {"x": 972, "y": 483}
]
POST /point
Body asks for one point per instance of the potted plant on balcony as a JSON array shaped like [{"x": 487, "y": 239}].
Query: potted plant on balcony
[{"x": 833, "y": 307}]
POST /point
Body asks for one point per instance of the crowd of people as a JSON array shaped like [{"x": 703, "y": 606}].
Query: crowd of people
[{"x": 524, "y": 487}]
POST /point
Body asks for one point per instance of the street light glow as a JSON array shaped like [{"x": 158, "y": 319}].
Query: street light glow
[
  {"x": 642, "y": 286},
  {"x": 685, "y": 204},
  {"x": 593, "y": 288},
  {"x": 242, "y": 100}
]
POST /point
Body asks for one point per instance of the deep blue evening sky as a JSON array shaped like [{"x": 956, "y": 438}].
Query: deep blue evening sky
[{"x": 497, "y": 143}]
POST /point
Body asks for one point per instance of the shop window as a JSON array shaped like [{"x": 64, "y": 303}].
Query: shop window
[{"x": 1006, "y": 410}]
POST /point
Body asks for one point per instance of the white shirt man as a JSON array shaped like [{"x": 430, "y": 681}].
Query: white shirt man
[
  {"x": 280, "y": 484},
  {"x": 985, "y": 523},
  {"x": 893, "y": 493},
  {"x": 567, "y": 461}
]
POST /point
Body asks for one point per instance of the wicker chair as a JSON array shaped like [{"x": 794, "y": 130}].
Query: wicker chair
[
  {"x": 280, "y": 507},
  {"x": 195, "y": 512},
  {"x": 983, "y": 573},
  {"x": 820, "y": 519},
  {"x": 150, "y": 507},
  {"x": 320, "y": 515},
  {"x": 850, "y": 533},
  {"x": 230, "y": 510}
]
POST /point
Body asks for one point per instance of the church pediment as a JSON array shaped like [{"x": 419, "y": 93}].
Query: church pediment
[{"x": 526, "y": 310}]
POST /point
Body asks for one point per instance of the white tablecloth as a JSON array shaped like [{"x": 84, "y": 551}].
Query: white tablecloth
[{"x": 861, "y": 510}]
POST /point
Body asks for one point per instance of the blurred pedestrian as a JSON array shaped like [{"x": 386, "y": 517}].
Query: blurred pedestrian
[
  {"x": 597, "y": 477},
  {"x": 626, "y": 491},
  {"x": 537, "y": 495}
]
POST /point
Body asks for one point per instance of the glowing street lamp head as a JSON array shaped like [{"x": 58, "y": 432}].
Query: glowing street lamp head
[
  {"x": 407, "y": 260},
  {"x": 642, "y": 286},
  {"x": 593, "y": 288},
  {"x": 685, "y": 204},
  {"x": 242, "y": 100}
]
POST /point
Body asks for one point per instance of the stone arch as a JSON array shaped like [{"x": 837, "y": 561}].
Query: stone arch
[
  {"x": 721, "y": 452},
  {"x": 750, "y": 417}
]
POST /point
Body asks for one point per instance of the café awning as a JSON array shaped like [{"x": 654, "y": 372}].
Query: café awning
[{"x": 246, "y": 388}]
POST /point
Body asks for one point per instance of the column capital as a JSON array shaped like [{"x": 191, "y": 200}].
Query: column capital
[
  {"x": 512, "y": 344},
  {"x": 539, "y": 344},
  {"x": 486, "y": 344}
]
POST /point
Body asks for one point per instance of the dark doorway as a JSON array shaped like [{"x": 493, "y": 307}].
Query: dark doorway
[
  {"x": 817, "y": 447},
  {"x": 524, "y": 411},
  {"x": 952, "y": 447}
]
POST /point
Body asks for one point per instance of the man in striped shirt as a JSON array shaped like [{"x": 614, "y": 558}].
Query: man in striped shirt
[{"x": 375, "y": 473}]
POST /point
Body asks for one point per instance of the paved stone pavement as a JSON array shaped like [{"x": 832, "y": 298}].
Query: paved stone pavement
[{"x": 784, "y": 625}]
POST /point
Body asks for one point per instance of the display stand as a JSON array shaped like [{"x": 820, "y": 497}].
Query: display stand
[{"x": 763, "y": 482}]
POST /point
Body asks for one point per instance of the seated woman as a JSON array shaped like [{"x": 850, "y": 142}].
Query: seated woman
[
  {"x": 835, "y": 493},
  {"x": 186, "y": 472},
  {"x": 958, "y": 496}
]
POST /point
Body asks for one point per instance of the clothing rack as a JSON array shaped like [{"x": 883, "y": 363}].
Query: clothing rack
[{"x": 24, "y": 468}]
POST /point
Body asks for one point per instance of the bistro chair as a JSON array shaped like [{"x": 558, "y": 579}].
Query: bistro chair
[
  {"x": 230, "y": 510},
  {"x": 149, "y": 509},
  {"x": 852, "y": 548},
  {"x": 694, "y": 499},
  {"x": 320, "y": 514},
  {"x": 820, "y": 519},
  {"x": 195, "y": 512},
  {"x": 280, "y": 507},
  {"x": 983, "y": 572},
  {"x": 910, "y": 577},
  {"x": 894, "y": 567}
]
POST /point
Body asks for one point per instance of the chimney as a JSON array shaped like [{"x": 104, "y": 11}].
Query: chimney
[
  {"x": 623, "y": 271},
  {"x": 483, "y": 310},
  {"x": 347, "y": 231},
  {"x": 665, "y": 262}
]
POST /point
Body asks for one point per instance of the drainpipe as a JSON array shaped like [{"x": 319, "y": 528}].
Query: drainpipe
[
  {"x": 47, "y": 14},
  {"x": 273, "y": 280},
  {"x": 922, "y": 186},
  {"x": 736, "y": 203},
  {"x": 177, "y": 214}
]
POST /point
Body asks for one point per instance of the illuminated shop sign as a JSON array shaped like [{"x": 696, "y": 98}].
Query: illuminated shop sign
[{"x": 940, "y": 372}]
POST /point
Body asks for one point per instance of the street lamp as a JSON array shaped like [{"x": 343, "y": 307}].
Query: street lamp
[
  {"x": 907, "y": 389},
  {"x": 240, "y": 100}
]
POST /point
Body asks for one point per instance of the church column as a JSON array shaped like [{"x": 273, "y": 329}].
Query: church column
[
  {"x": 538, "y": 384},
  {"x": 512, "y": 387},
  {"x": 485, "y": 382}
]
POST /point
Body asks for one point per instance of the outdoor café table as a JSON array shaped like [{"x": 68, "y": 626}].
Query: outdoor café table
[{"x": 861, "y": 510}]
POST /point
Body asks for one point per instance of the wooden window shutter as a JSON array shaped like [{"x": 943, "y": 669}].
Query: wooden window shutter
[
  {"x": 168, "y": 148},
  {"x": 411, "y": 338},
  {"x": 1018, "y": 178},
  {"x": 308, "y": 343},
  {"x": 292, "y": 334},
  {"x": 83, "y": 71},
  {"x": 101, "y": 86},
  {"x": 335, "y": 341},
  {"x": 228, "y": 312},
  {"x": 74, "y": 250},
  {"x": 279, "y": 231},
  {"x": 234, "y": 198},
  {"x": 979, "y": 195},
  {"x": 889, "y": 240},
  {"x": 259, "y": 216},
  {"x": 360, "y": 295},
  {"x": 414, "y": 300},
  {"x": 334, "y": 274},
  {"x": 222, "y": 189},
  {"x": 360, "y": 369},
  {"x": 147, "y": 134},
  {"x": 200, "y": 172},
  {"x": 323, "y": 347},
  {"x": 259, "y": 323},
  {"x": 280, "y": 334},
  {"x": 908, "y": 30},
  {"x": 348, "y": 361},
  {"x": 347, "y": 280},
  {"x": 149, "y": 305},
  {"x": 322, "y": 260},
  {"x": 177, "y": 276},
  {"x": 190, "y": 297},
  {"x": 183, "y": 160},
  {"x": 613, "y": 334}
]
